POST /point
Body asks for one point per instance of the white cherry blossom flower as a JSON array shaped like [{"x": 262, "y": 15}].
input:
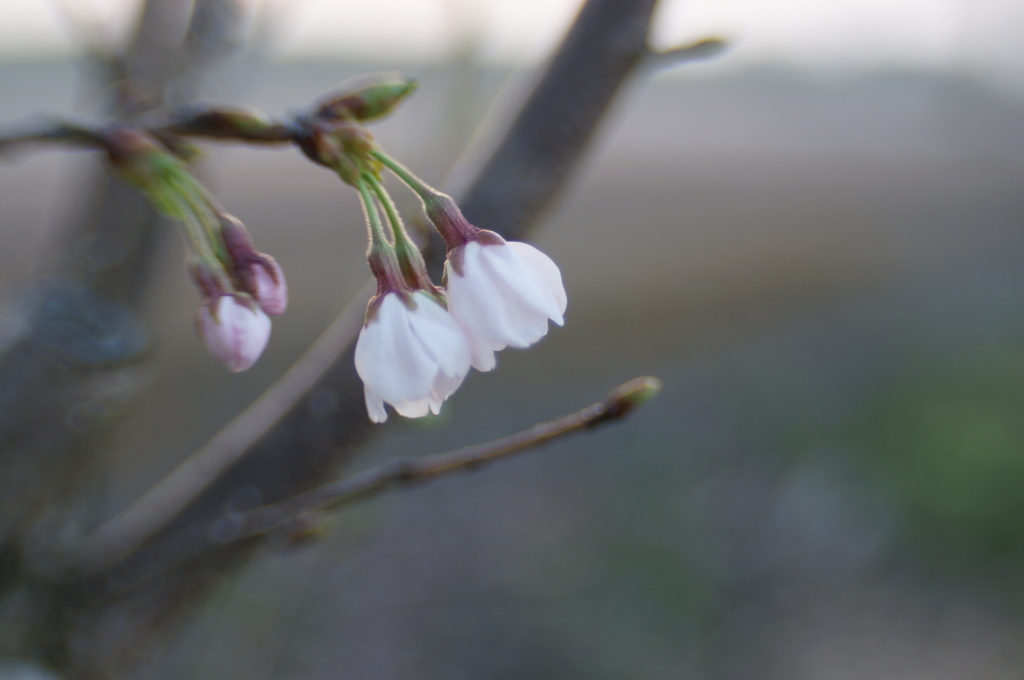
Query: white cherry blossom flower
[
  {"x": 234, "y": 329},
  {"x": 502, "y": 293},
  {"x": 410, "y": 356}
]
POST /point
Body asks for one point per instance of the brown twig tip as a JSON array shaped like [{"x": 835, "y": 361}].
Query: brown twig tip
[
  {"x": 706, "y": 48},
  {"x": 621, "y": 401}
]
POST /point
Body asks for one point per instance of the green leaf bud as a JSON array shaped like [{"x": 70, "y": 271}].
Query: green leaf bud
[{"x": 367, "y": 97}]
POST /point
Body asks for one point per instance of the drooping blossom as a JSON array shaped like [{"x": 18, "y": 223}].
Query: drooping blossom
[
  {"x": 234, "y": 329},
  {"x": 502, "y": 293},
  {"x": 411, "y": 354}
]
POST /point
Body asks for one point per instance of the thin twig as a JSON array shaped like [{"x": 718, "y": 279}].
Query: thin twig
[
  {"x": 205, "y": 123},
  {"x": 290, "y": 514},
  {"x": 708, "y": 48},
  {"x": 616, "y": 405},
  {"x": 53, "y": 132},
  {"x": 83, "y": 337}
]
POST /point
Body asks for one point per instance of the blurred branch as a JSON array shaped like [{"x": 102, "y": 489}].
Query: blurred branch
[
  {"x": 57, "y": 131},
  {"x": 545, "y": 142},
  {"x": 708, "y": 48},
  {"x": 195, "y": 123},
  {"x": 288, "y": 515},
  {"x": 72, "y": 370},
  {"x": 128, "y": 529}
]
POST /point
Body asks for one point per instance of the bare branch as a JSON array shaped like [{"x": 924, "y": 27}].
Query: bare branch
[
  {"x": 57, "y": 131},
  {"x": 288, "y": 514},
  {"x": 70, "y": 373},
  {"x": 707, "y": 48}
]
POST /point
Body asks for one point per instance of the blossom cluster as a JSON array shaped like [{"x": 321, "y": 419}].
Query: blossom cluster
[
  {"x": 240, "y": 286},
  {"x": 419, "y": 340}
]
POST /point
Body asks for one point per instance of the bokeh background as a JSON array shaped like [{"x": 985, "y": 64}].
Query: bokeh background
[{"x": 815, "y": 241}]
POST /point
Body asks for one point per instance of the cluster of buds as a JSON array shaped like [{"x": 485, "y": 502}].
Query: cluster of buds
[
  {"x": 419, "y": 339},
  {"x": 239, "y": 285}
]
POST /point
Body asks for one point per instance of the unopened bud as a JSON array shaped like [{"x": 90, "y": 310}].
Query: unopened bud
[
  {"x": 234, "y": 330},
  {"x": 367, "y": 97},
  {"x": 254, "y": 272},
  {"x": 623, "y": 399},
  {"x": 269, "y": 286}
]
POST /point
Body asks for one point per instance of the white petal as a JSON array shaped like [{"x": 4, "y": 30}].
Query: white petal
[
  {"x": 490, "y": 307},
  {"x": 549, "y": 273},
  {"x": 481, "y": 356},
  {"x": 519, "y": 278},
  {"x": 374, "y": 405},
  {"x": 413, "y": 409},
  {"x": 441, "y": 336},
  {"x": 443, "y": 388},
  {"x": 389, "y": 358}
]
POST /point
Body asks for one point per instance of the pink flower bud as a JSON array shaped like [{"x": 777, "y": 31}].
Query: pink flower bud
[
  {"x": 269, "y": 287},
  {"x": 255, "y": 273},
  {"x": 502, "y": 295},
  {"x": 234, "y": 329}
]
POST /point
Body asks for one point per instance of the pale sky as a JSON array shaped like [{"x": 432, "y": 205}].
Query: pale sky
[{"x": 978, "y": 35}]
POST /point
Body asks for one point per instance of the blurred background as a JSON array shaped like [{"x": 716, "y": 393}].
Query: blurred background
[{"x": 815, "y": 240}]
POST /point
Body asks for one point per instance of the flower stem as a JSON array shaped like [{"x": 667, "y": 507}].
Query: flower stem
[
  {"x": 377, "y": 238},
  {"x": 410, "y": 259},
  {"x": 204, "y": 217},
  {"x": 397, "y": 227},
  {"x": 419, "y": 187},
  {"x": 175, "y": 206}
]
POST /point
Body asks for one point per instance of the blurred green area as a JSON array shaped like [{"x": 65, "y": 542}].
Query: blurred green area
[
  {"x": 826, "y": 274},
  {"x": 947, "y": 444}
]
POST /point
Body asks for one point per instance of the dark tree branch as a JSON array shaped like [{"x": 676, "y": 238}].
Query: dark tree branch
[
  {"x": 125, "y": 531},
  {"x": 60, "y": 132},
  {"x": 68, "y": 377},
  {"x": 547, "y": 139}
]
